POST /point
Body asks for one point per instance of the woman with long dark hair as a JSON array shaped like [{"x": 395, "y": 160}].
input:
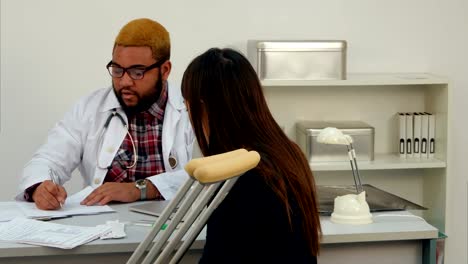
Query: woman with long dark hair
[{"x": 270, "y": 214}]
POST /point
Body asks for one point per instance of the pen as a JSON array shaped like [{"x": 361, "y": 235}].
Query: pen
[
  {"x": 149, "y": 223},
  {"x": 54, "y": 180},
  {"x": 143, "y": 224}
]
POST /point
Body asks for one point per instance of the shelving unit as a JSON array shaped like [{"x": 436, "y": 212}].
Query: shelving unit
[{"x": 375, "y": 99}]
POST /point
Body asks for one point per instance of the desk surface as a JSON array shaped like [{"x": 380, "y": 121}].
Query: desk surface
[
  {"x": 387, "y": 226},
  {"x": 394, "y": 226}
]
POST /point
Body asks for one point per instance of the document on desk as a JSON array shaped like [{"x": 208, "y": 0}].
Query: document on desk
[
  {"x": 72, "y": 206},
  {"x": 29, "y": 231},
  {"x": 9, "y": 210}
]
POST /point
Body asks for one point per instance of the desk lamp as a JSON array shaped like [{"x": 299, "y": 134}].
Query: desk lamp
[
  {"x": 351, "y": 208},
  {"x": 332, "y": 135}
]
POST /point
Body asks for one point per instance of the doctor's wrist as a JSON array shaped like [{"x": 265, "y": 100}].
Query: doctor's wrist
[
  {"x": 153, "y": 192},
  {"x": 28, "y": 193}
]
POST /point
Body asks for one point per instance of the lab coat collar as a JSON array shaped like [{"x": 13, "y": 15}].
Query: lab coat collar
[
  {"x": 175, "y": 97},
  {"x": 110, "y": 101}
]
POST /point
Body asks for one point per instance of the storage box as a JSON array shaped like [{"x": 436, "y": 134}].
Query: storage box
[
  {"x": 362, "y": 134},
  {"x": 299, "y": 60}
]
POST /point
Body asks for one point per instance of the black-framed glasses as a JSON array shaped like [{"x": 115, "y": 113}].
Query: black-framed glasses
[{"x": 135, "y": 72}]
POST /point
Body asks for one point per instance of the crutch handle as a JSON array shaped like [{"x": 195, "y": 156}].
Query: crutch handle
[
  {"x": 226, "y": 168},
  {"x": 196, "y": 163}
]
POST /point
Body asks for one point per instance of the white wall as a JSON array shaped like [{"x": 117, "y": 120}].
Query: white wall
[{"x": 54, "y": 51}]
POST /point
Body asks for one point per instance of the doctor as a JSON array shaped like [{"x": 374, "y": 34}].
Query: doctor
[{"x": 129, "y": 141}]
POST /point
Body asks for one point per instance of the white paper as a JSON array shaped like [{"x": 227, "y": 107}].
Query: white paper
[
  {"x": 72, "y": 206},
  {"x": 40, "y": 233},
  {"x": 9, "y": 210},
  {"x": 117, "y": 230},
  {"x": 76, "y": 198}
]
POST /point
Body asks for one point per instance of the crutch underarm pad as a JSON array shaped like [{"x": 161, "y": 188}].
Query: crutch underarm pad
[
  {"x": 226, "y": 168},
  {"x": 197, "y": 163}
]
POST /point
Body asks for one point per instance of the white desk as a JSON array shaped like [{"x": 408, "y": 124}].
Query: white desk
[
  {"x": 393, "y": 237},
  {"x": 388, "y": 240}
]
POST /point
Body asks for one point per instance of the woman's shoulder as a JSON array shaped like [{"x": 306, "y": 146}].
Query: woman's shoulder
[
  {"x": 253, "y": 185},
  {"x": 252, "y": 178}
]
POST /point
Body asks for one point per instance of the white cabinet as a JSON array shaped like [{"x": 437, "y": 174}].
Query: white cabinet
[{"x": 375, "y": 99}]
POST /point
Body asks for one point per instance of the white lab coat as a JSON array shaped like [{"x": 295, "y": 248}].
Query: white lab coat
[{"x": 74, "y": 142}]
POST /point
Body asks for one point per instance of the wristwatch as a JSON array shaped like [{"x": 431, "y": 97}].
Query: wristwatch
[{"x": 141, "y": 185}]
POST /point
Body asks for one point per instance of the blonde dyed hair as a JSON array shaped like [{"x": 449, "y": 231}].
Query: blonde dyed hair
[{"x": 148, "y": 33}]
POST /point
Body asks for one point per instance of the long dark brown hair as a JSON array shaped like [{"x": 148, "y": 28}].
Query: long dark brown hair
[{"x": 221, "y": 87}]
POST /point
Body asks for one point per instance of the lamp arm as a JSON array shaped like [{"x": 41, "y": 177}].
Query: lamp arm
[
  {"x": 353, "y": 154},
  {"x": 355, "y": 177}
]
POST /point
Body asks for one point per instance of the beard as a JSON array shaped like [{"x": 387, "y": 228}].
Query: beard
[{"x": 144, "y": 102}]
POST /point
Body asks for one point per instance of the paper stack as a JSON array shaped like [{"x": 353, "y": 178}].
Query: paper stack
[{"x": 29, "y": 231}]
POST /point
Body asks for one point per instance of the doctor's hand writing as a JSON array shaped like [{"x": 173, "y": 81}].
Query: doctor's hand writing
[
  {"x": 49, "y": 196},
  {"x": 118, "y": 191}
]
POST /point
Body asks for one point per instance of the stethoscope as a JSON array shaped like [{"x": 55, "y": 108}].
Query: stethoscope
[
  {"x": 113, "y": 114},
  {"x": 172, "y": 159}
]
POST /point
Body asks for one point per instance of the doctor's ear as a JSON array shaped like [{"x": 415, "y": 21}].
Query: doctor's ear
[{"x": 165, "y": 69}]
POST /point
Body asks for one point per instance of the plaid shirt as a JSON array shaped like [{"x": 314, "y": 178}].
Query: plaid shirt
[{"x": 146, "y": 131}]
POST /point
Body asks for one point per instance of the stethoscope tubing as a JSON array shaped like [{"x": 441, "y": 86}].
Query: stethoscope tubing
[{"x": 113, "y": 114}]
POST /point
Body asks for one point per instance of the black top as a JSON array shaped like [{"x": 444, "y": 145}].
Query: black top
[{"x": 251, "y": 226}]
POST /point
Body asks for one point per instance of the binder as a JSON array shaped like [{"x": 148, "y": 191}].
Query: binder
[
  {"x": 402, "y": 135},
  {"x": 424, "y": 135},
  {"x": 431, "y": 148},
  {"x": 417, "y": 135},
  {"x": 409, "y": 135}
]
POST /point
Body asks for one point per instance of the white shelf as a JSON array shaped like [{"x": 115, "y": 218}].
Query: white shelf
[
  {"x": 381, "y": 162},
  {"x": 365, "y": 79},
  {"x": 375, "y": 98}
]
